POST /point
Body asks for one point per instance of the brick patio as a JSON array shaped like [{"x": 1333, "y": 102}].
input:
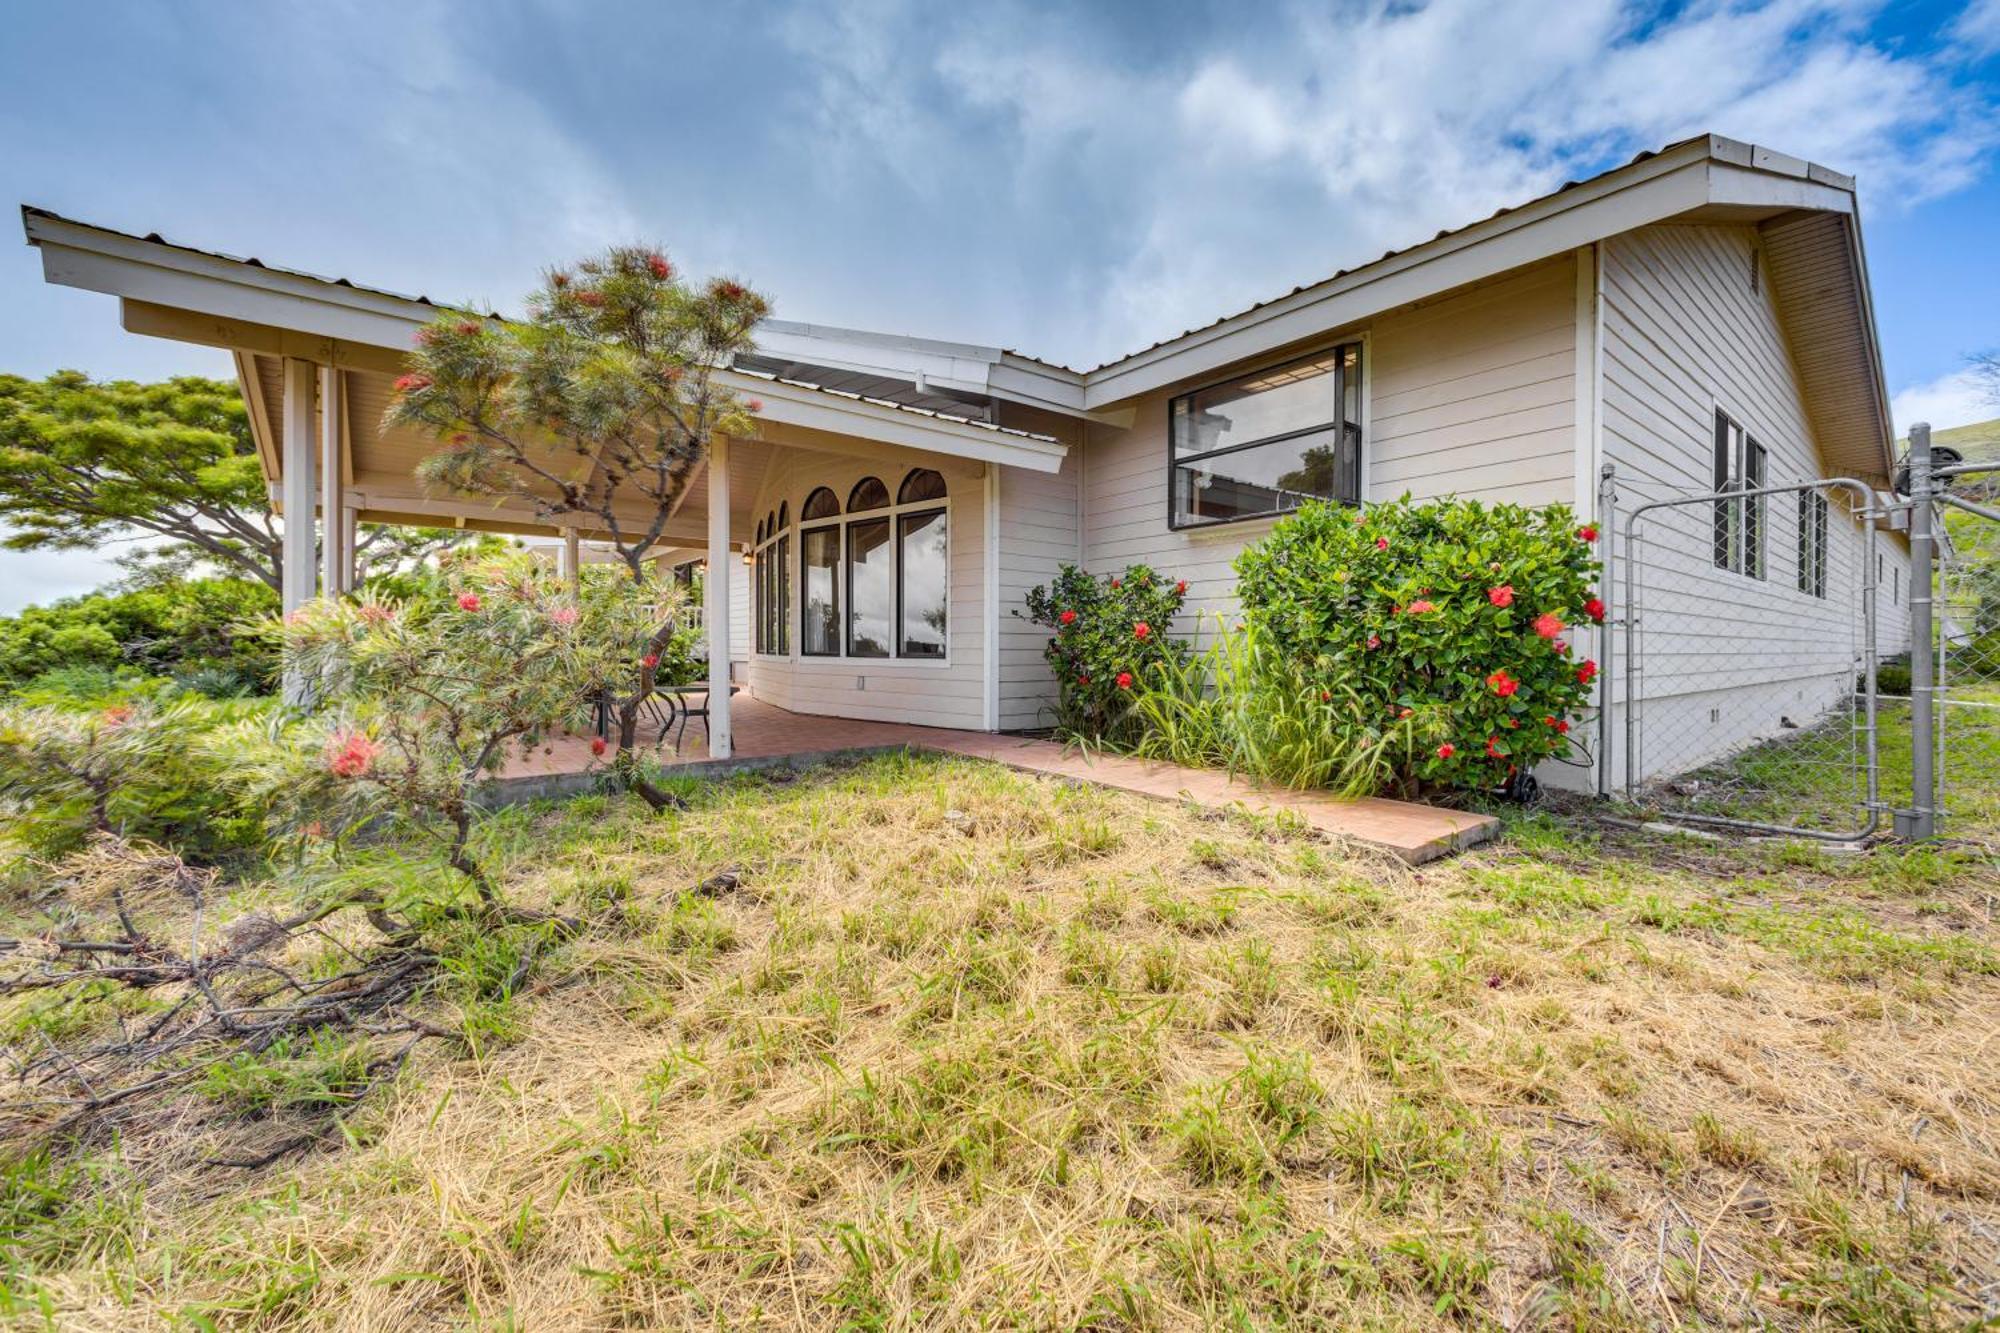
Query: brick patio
[{"x": 766, "y": 735}]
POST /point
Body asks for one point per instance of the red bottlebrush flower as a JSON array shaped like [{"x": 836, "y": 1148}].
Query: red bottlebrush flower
[
  {"x": 468, "y": 601},
  {"x": 1381, "y": 543},
  {"x": 597, "y": 745},
  {"x": 1374, "y": 641},
  {"x": 660, "y": 267},
  {"x": 1446, "y": 750},
  {"x": 349, "y": 753},
  {"x": 1404, "y": 712},
  {"x": 1502, "y": 595},
  {"x": 468, "y": 327},
  {"x": 1503, "y": 684},
  {"x": 1419, "y": 607},
  {"x": 412, "y": 382},
  {"x": 591, "y": 297},
  {"x": 1326, "y": 696},
  {"x": 558, "y": 280},
  {"x": 1141, "y": 630},
  {"x": 754, "y": 405},
  {"x": 1548, "y": 624},
  {"x": 1493, "y": 748},
  {"x": 1587, "y": 672},
  {"x": 564, "y": 616},
  {"x": 1587, "y": 533},
  {"x": 1180, "y": 589},
  {"x": 725, "y": 290},
  {"x": 1124, "y": 680},
  {"x": 116, "y": 716},
  {"x": 1594, "y": 608},
  {"x": 649, "y": 661},
  {"x": 1067, "y": 617}
]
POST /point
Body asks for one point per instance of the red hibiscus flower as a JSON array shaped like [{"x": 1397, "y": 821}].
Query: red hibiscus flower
[
  {"x": 1420, "y": 606},
  {"x": 412, "y": 382},
  {"x": 1561, "y": 727},
  {"x": 1124, "y": 680},
  {"x": 1493, "y": 748},
  {"x": 1548, "y": 624},
  {"x": 468, "y": 601},
  {"x": 1503, "y": 684},
  {"x": 1587, "y": 672},
  {"x": 1141, "y": 630},
  {"x": 1587, "y": 533},
  {"x": 597, "y": 745},
  {"x": 1326, "y": 696},
  {"x": 1067, "y": 617},
  {"x": 1083, "y": 680},
  {"x": 1374, "y": 641},
  {"x": 1180, "y": 589},
  {"x": 1381, "y": 543},
  {"x": 1116, "y": 584},
  {"x": 1502, "y": 595},
  {"x": 1446, "y": 750},
  {"x": 1594, "y": 608}
]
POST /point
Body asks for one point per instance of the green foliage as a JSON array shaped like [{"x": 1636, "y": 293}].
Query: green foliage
[
  {"x": 599, "y": 406},
  {"x": 1456, "y": 611},
  {"x": 1109, "y": 636},
  {"x": 195, "y": 631},
  {"x": 134, "y": 767},
  {"x": 1242, "y": 705}
]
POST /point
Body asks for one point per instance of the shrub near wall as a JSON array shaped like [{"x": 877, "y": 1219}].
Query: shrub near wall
[
  {"x": 1108, "y": 635},
  {"x": 1451, "y": 615}
]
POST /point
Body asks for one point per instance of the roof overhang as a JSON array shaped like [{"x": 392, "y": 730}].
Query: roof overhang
[{"x": 194, "y": 296}]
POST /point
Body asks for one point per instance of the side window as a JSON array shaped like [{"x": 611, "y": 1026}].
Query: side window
[
  {"x": 1741, "y": 464},
  {"x": 1812, "y": 543}
]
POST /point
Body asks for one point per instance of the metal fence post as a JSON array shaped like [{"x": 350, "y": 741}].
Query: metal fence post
[
  {"x": 1919, "y": 822},
  {"x": 1607, "y": 513}
]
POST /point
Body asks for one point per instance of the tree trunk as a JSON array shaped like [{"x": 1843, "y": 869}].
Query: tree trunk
[{"x": 626, "y": 765}]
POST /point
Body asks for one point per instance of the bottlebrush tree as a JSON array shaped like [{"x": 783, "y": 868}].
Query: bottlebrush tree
[
  {"x": 1453, "y": 616},
  {"x": 595, "y": 411}
]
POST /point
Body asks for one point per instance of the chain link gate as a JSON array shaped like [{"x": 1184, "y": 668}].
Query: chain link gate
[{"x": 1744, "y": 636}]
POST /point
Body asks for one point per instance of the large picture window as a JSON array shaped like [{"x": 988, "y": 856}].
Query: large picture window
[
  {"x": 1267, "y": 442},
  {"x": 1740, "y": 465},
  {"x": 874, "y": 579}
]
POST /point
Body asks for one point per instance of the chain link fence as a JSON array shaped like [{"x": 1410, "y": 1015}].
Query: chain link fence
[
  {"x": 1748, "y": 624},
  {"x": 1967, "y": 617}
]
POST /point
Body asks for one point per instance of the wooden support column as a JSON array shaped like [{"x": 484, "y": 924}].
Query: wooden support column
[
  {"x": 715, "y": 598},
  {"x": 336, "y": 575},
  {"x": 572, "y": 559},
  {"x": 298, "y": 557}
]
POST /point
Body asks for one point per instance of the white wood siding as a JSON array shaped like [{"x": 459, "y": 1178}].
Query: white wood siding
[
  {"x": 1689, "y": 326},
  {"x": 1038, "y": 534},
  {"x": 882, "y": 689},
  {"x": 1471, "y": 394}
]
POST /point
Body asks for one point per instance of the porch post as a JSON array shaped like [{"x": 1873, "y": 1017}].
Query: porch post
[
  {"x": 572, "y": 559},
  {"x": 715, "y": 598},
  {"x": 335, "y": 564},
  {"x": 298, "y": 555}
]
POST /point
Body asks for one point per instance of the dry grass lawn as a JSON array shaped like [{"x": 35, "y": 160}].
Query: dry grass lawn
[{"x": 963, "y": 1048}]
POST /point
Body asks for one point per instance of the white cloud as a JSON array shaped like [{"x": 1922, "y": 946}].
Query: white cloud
[
  {"x": 1958, "y": 399},
  {"x": 1978, "y": 27}
]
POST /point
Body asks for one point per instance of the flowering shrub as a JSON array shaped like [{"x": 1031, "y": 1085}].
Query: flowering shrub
[
  {"x": 1106, "y": 635},
  {"x": 1450, "y": 620}
]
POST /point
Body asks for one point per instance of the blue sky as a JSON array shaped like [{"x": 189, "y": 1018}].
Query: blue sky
[{"x": 1071, "y": 183}]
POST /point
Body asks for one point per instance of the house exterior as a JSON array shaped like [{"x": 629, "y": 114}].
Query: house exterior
[{"x": 1701, "y": 313}]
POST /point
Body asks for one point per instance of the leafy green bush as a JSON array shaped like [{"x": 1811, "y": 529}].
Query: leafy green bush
[
  {"x": 1451, "y": 616},
  {"x": 1891, "y": 678},
  {"x": 195, "y": 628},
  {"x": 1108, "y": 636}
]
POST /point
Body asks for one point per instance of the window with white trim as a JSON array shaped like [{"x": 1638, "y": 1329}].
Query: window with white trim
[
  {"x": 874, "y": 575},
  {"x": 1741, "y": 464}
]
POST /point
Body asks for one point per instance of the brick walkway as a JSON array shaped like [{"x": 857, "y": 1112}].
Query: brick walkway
[{"x": 766, "y": 735}]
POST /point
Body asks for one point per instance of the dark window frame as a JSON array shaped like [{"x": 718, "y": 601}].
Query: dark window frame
[
  {"x": 1739, "y": 539},
  {"x": 1360, "y": 425}
]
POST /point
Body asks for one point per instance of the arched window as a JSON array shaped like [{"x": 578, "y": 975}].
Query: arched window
[
  {"x": 771, "y": 585},
  {"x": 922, "y": 484},
  {"x": 784, "y": 514},
  {"x": 822, "y": 503},
  {"x": 760, "y": 532},
  {"x": 868, "y": 493}
]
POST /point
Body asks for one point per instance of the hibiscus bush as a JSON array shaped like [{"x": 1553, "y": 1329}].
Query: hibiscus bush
[
  {"x": 1107, "y": 636},
  {"x": 1450, "y": 621}
]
